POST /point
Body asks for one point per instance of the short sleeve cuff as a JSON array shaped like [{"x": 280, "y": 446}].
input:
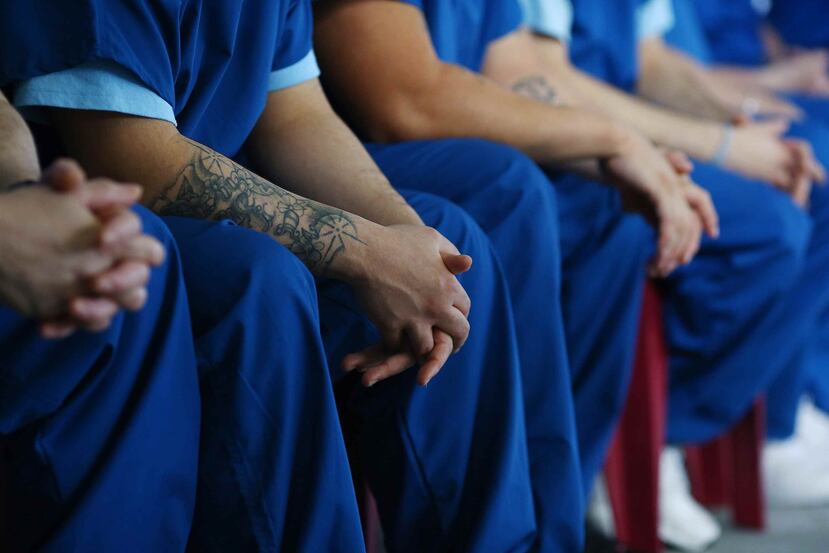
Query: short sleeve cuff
[
  {"x": 99, "y": 86},
  {"x": 304, "y": 70},
  {"x": 654, "y": 19},
  {"x": 553, "y": 18}
]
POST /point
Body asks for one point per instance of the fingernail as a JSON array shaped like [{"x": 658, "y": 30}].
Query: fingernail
[{"x": 371, "y": 383}]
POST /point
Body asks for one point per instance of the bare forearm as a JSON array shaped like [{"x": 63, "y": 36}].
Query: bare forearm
[
  {"x": 520, "y": 116},
  {"x": 210, "y": 186},
  {"x": 672, "y": 79},
  {"x": 460, "y": 104},
  {"x": 322, "y": 159},
  {"x": 696, "y": 137},
  {"x": 184, "y": 178},
  {"x": 18, "y": 156}
]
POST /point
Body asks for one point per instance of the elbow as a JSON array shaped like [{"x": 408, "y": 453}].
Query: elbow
[{"x": 402, "y": 119}]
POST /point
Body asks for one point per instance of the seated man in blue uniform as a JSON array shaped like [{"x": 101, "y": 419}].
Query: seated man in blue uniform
[
  {"x": 414, "y": 94},
  {"x": 726, "y": 347},
  {"x": 795, "y": 465},
  {"x": 183, "y": 95},
  {"x": 99, "y": 408}
]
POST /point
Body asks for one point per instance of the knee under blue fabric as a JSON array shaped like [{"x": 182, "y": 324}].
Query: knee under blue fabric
[
  {"x": 604, "y": 253},
  {"x": 513, "y": 202},
  {"x": 729, "y": 321},
  {"x": 447, "y": 463},
  {"x": 101, "y": 431},
  {"x": 273, "y": 472}
]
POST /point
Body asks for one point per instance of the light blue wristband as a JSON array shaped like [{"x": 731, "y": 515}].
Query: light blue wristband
[{"x": 725, "y": 145}]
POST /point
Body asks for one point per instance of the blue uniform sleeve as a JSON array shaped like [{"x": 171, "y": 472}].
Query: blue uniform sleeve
[
  {"x": 416, "y": 3},
  {"x": 100, "y": 86},
  {"x": 654, "y": 18},
  {"x": 294, "y": 60},
  {"x": 553, "y": 18},
  {"x": 139, "y": 35}
]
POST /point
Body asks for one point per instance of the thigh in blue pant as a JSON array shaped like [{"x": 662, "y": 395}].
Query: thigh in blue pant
[
  {"x": 447, "y": 463},
  {"x": 727, "y": 321},
  {"x": 273, "y": 473},
  {"x": 101, "y": 430},
  {"x": 513, "y": 201},
  {"x": 604, "y": 252}
]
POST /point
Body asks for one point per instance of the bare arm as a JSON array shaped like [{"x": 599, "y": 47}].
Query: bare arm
[
  {"x": 18, "y": 156},
  {"x": 415, "y": 300},
  {"x": 671, "y": 78},
  {"x": 382, "y": 70},
  {"x": 182, "y": 177},
  {"x": 698, "y": 138},
  {"x": 285, "y": 147},
  {"x": 393, "y": 87}
]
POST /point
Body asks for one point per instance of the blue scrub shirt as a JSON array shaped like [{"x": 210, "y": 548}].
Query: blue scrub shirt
[
  {"x": 182, "y": 62},
  {"x": 732, "y": 30},
  {"x": 603, "y": 36},
  {"x": 463, "y": 29}
]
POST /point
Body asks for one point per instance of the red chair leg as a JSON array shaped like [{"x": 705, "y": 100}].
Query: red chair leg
[
  {"x": 709, "y": 470},
  {"x": 727, "y": 471},
  {"x": 344, "y": 394},
  {"x": 748, "y": 499},
  {"x": 370, "y": 518},
  {"x": 632, "y": 469}
]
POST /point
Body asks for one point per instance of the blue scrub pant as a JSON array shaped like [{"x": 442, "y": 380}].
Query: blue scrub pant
[
  {"x": 604, "y": 255},
  {"x": 513, "y": 202},
  {"x": 100, "y": 431},
  {"x": 273, "y": 473},
  {"x": 731, "y": 323},
  {"x": 448, "y": 463},
  {"x": 810, "y": 374}
]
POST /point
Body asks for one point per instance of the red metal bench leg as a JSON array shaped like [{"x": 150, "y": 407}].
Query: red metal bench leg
[{"x": 632, "y": 470}]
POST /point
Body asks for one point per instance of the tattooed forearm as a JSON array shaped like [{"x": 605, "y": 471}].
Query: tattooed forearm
[
  {"x": 535, "y": 87},
  {"x": 212, "y": 186}
]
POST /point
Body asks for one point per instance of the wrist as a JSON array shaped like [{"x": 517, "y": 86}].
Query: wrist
[
  {"x": 723, "y": 150},
  {"x": 621, "y": 140},
  {"x": 355, "y": 262}
]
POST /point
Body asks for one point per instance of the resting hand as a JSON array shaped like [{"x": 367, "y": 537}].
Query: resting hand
[
  {"x": 679, "y": 211},
  {"x": 73, "y": 255},
  {"x": 413, "y": 297},
  {"x": 758, "y": 150}
]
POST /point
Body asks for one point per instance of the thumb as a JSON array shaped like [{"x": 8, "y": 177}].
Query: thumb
[
  {"x": 64, "y": 175},
  {"x": 457, "y": 264}
]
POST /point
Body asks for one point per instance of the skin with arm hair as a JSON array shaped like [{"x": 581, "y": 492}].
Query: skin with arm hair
[
  {"x": 392, "y": 86},
  {"x": 416, "y": 296},
  {"x": 785, "y": 164}
]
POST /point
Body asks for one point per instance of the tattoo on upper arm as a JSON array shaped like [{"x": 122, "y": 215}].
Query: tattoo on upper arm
[
  {"x": 535, "y": 87},
  {"x": 212, "y": 186}
]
